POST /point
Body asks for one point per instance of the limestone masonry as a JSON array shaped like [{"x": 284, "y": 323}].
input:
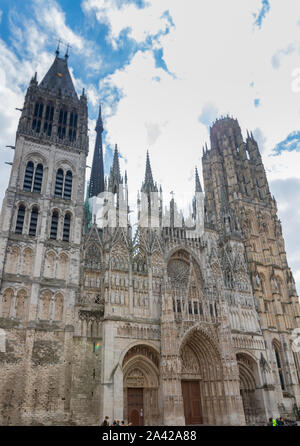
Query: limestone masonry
[{"x": 153, "y": 327}]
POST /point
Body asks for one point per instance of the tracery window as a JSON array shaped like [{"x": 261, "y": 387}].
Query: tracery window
[
  {"x": 62, "y": 123},
  {"x": 279, "y": 366},
  {"x": 48, "y": 119},
  {"x": 72, "y": 126},
  {"x": 63, "y": 184},
  {"x": 37, "y": 116},
  {"x": 33, "y": 177}
]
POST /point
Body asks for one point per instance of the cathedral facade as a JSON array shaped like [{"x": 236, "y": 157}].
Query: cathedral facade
[{"x": 154, "y": 326}]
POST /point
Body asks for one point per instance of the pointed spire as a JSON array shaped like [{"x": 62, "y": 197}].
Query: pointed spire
[
  {"x": 34, "y": 80},
  {"x": 116, "y": 164},
  {"x": 99, "y": 124},
  {"x": 97, "y": 173},
  {"x": 58, "y": 81},
  {"x": 115, "y": 178},
  {"x": 148, "y": 184},
  {"x": 197, "y": 181},
  {"x": 57, "y": 49},
  {"x": 67, "y": 51}
]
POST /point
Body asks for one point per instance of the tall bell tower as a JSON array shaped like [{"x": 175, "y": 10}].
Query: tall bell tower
[
  {"x": 41, "y": 230},
  {"x": 239, "y": 204}
]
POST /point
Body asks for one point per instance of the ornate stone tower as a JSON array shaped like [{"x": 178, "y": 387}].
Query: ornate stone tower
[
  {"x": 41, "y": 231},
  {"x": 239, "y": 204}
]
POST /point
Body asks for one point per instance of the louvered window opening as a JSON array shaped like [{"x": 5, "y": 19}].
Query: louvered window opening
[
  {"x": 33, "y": 221},
  {"x": 67, "y": 225},
  {"x": 59, "y": 183},
  {"x": 68, "y": 185},
  {"x": 54, "y": 225},
  {"x": 38, "y": 179},
  {"x": 20, "y": 219},
  {"x": 28, "y": 176}
]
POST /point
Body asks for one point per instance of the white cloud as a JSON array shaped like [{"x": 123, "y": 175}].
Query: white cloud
[
  {"x": 215, "y": 57},
  {"x": 120, "y": 16}
]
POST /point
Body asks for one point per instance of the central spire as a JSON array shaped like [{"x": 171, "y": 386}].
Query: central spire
[{"x": 97, "y": 173}]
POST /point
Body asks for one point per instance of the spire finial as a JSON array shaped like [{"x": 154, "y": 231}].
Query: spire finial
[
  {"x": 99, "y": 124},
  {"x": 67, "y": 51},
  {"x": 148, "y": 184},
  {"x": 97, "y": 174},
  {"x": 58, "y": 45}
]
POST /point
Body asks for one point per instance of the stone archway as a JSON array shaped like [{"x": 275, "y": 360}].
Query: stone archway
[
  {"x": 249, "y": 389},
  {"x": 140, "y": 384},
  {"x": 202, "y": 381}
]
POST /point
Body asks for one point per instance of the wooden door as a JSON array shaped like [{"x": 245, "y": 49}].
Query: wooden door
[
  {"x": 192, "y": 402},
  {"x": 135, "y": 406}
]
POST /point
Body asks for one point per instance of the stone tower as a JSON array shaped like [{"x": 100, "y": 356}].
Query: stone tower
[
  {"x": 239, "y": 205},
  {"x": 154, "y": 324},
  {"x": 41, "y": 232}
]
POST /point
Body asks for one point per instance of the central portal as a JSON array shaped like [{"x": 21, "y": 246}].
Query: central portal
[
  {"x": 192, "y": 402},
  {"x": 135, "y": 404}
]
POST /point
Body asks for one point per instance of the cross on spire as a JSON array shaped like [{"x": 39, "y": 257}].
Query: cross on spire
[
  {"x": 67, "y": 51},
  {"x": 58, "y": 45}
]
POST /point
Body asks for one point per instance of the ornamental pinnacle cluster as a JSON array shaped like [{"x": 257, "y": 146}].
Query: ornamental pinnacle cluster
[{"x": 151, "y": 327}]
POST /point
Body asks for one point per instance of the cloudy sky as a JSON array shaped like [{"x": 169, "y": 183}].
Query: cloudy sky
[{"x": 164, "y": 70}]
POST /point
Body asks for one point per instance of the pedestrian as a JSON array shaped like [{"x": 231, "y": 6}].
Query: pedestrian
[
  {"x": 105, "y": 421},
  {"x": 270, "y": 423}
]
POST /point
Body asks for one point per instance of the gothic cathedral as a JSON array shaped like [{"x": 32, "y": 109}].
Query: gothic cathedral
[{"x": 151, "y": 327}]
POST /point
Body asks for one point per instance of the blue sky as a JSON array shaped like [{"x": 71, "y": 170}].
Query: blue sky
[{"x": 163, "y": 72}]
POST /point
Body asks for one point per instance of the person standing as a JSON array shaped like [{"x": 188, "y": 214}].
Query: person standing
[{"x": 105, "y": 421}]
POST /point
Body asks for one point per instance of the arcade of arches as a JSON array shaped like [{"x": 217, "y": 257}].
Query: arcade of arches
[{"x": 203, "y": 387}]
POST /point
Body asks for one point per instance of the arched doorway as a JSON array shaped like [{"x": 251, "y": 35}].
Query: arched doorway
[
  {"x": 201, "y": 380},
  {"x": 141, "y": 382},
  {"x": 248, "y": 388}
]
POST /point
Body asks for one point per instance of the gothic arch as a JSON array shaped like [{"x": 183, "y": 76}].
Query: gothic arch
[
  {"x": 45, "y": 305},
  {"x": 35, "y": 157},
  {"x": 202, "y": 379},
  {"x": 157, "y": 263},
  {"x": 7, "y": 300},
  {"x": 63, "y": 266},
  {"x": 13, "y": 259},
  {"x": 133, "y": 344},
  {"x": 21, "y": 303},
  {"x": 58, "y": 307},
  {"x": 249, "y": 387},
  {"x": 27, "y": 261},
  {"x": 93, "y": 256},
  {"x": 65, "y": 165},
  {"x": 139, "y": 260},
  {"x": 279, "y": 362},
  {"x": 140, "y": 367},
  {"x": 50, "y": 263}
]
